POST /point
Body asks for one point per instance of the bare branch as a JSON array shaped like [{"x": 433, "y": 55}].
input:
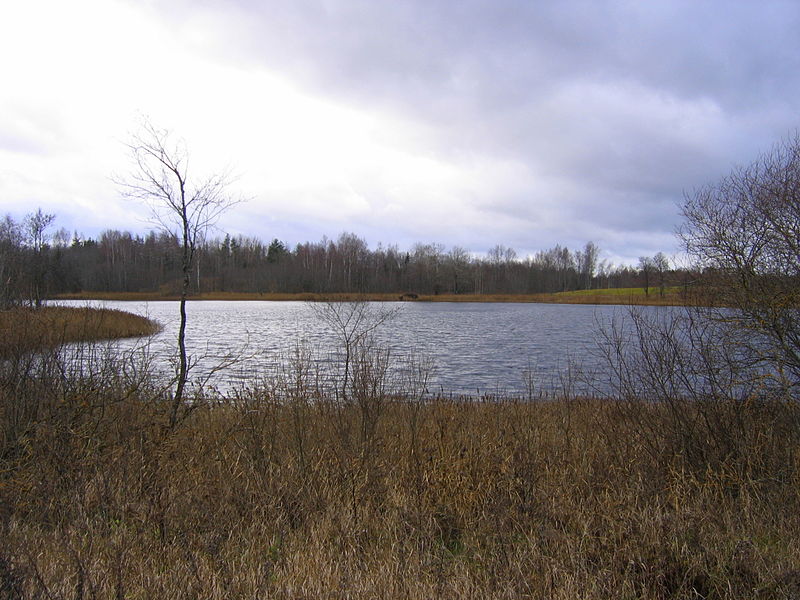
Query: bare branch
[{"x": 180, "y": 207}]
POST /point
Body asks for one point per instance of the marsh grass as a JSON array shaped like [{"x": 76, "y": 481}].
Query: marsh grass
[
  {"x": 672, "y": 296},
  {"x": 291, "y": 487},
  {"x": 26, "y": 329},
  {"x": 275, "y": 492}
]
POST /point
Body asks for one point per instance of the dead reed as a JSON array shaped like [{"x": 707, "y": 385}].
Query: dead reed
[
  {"x": 25, "y": 329},
  {"x": 280, "y": 492}
]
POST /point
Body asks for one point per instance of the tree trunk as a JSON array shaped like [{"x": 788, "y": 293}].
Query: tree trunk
[{"x": 183, "y": 368}]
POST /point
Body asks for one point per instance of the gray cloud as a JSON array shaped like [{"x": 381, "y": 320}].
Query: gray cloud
[{"x": 604, "y": 112}]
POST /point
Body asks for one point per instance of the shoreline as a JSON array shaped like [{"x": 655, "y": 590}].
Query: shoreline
[
  {"x": 24, "y": 329},
  {"x": 618, "y": 296}
]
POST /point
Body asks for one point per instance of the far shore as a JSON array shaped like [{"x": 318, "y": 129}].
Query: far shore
[{"x": 673, "y": 296}]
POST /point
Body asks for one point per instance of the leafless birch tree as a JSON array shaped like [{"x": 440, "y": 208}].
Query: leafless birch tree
[{"x": 179, "y": 203}]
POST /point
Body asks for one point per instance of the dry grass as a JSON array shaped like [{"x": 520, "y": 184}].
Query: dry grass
[
  {"x": 133, "y": 296},
  {"x": 298, "y": 497},
  {"x": 673, "y": 296},
  {"x": 284, "y": 490},
  {"x": 623, "y": 296},
  {"x": 272, "y": 296},
  {"x": 25, "y": 329}
]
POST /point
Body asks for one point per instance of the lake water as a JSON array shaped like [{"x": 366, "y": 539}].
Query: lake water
[{"x": 474, "y": 348}]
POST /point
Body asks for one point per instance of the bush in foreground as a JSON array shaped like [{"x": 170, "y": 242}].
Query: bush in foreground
[
  {"x": 280, "y": 492},
  {"x": 344, "y": 483}
]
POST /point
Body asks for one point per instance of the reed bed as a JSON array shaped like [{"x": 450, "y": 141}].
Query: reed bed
[
  {"x": 279, "y": 492},
  {"x": 25, "y": 329}
]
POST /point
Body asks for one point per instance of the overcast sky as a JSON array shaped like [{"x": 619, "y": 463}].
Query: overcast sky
[{"x": 469, "y": 123}]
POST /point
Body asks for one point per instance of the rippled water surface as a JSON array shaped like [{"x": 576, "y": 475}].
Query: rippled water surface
[{"x": 475, "y": 348}]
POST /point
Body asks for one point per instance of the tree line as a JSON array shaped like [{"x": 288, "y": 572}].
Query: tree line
[{"x": 37, "y": 261}]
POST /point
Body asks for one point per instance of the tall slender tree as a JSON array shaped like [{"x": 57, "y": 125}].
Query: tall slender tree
[{"x": 179, "y": 204}]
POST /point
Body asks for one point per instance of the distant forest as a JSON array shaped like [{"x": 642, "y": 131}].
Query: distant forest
[{"x": 37, "y": 261}]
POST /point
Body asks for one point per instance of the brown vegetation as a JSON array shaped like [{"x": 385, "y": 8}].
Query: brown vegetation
[
  {"x": 281, "y": 492},
  {"x": 25, "y": 329},
  {"x": 620, "y": 296}
]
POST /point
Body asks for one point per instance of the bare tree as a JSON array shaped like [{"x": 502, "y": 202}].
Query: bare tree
[
  {"x": 458, "y": 262},
  {"x": 35, "y": 229},
  {"x": 661, "y": 265},
  {"x": 744, "y": 234},
  {"x": 180, "y": 205},
  {"x": 11, "y": 267},
  {"x": 587, "y": 263},
  {"x": 646, "y": 269},
  {"x": 353, "y": 324}
]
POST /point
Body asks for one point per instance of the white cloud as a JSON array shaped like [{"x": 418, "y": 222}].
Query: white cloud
[{"x": 469, "y": 124}]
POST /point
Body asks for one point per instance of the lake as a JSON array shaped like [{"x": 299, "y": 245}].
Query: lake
[{"x": 474, "y": 348}]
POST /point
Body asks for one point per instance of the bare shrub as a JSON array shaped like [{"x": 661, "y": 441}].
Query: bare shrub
[
  {"x": 744, "y": 233},
  {"x": 686, "y": 390},
  {"x": 507, "y": 507}
]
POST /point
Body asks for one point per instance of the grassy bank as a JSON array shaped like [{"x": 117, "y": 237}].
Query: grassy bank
[
  {"x": 277, "y": 493},
  {"x": 623, "y": 296},
  {"x": 672, "y": 296},
  {"x": 25, "y": 329}
]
